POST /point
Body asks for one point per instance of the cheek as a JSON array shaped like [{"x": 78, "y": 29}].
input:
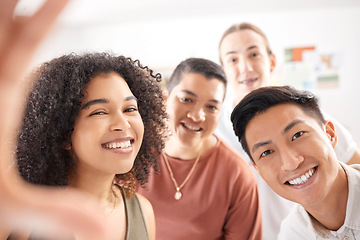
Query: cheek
[
  {"x": 83, "y": 136},
  {"x": 269, "y": 173},
  {"x": 213, "y": 121},
  {"x": 230, "y": 73},
  {"x": 139, "y": 128},
  {"x": 176, "y": 111}
]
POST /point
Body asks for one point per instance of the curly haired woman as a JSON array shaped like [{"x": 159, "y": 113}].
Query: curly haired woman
[{"x": 92, "y": 120}]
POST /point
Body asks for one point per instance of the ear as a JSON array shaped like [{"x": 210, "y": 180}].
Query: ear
[
  {"x": 254, "y": 165},
  {"x": 165, "y": 94},
  {"x": 330, "y": 132},
  {"x": 272, "y": 62}
]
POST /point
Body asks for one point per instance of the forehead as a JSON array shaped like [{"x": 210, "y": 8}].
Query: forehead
[
  {"x": 107, "y": 84},
  {"x": 201, "y": 86},
  {"x": 272, "y": 122},
  {"x": 241, "y": 40}
]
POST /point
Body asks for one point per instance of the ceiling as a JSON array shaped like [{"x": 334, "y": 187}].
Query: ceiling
[{"x": 90, "y": 12}]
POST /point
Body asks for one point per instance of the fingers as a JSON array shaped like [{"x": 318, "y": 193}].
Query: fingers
[
  {"x": 23, "y": 37},
  {"x": 21, "y": 202},
  {"x": 7, "y": 8}
]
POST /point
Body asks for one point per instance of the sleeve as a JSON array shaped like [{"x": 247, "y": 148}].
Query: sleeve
[
  {"x": 243, "y": 219},
  {"x": 346, "y": 146}
]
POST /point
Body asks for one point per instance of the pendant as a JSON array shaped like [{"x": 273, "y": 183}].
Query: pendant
[{"x": 178, "y": 194}]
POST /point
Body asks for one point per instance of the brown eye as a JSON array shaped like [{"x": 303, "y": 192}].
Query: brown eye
[
  {"x": 131, "y": 109},
  {"x": 97, "y": 113},
  {"x": 266, "y": 153},
  {"x": 297, "y": 135},
  {"x": 185, "y": 99}
]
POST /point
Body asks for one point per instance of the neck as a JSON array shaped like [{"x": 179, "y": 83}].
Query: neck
[
  {"x": 331, "y": 212},
  {"x": 174, "y": 148},
  {"x": 97, "y": 185}
]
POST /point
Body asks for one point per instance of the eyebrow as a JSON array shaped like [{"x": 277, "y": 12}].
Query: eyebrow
[
  {"x": 104, "y": 100},
  {"x": 194, "y": 95},
  {"x": 260, "y": 144},
  {"x": 286, "y": 129},
  {"x": 291, "y": 125},
  {"x": 93, "y": 102},
  {"x": 248, "y": 49}
]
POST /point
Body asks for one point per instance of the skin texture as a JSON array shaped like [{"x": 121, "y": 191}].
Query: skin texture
[
  {"x": 43, "y": 207},
  {"x": 102, "y": 124},
  {"x": 194, "y": 111},
  {"x": 107, "y": 136},
  {"x": 286, "y": 143},
  {"x": 246, "y": 62}
]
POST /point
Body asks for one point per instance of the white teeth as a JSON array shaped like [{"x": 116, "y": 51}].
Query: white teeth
[
  {"x": 192, "y": 128},
  {"x": 247, "y": 81},
  {"x": 303, "y": 179},
  {"x": 113, "y": 145}
]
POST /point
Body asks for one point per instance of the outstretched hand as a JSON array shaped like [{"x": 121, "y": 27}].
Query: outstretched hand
[{"x": 23, "y": 204}]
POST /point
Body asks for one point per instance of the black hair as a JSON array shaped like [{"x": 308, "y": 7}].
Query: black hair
[
  {"x": 55, "y": 102},
  {"x": 259, "y": 100},
  {"x": 205, "y": 67}
]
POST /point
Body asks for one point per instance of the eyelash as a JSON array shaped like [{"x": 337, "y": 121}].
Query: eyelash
[
  {"x": 295, "y": 136},
  {"x": 183, "y": 99},
  {"x": 212, "y": 108},
  {"x": 131, "y": 109},
  {"x": 267, "y": 151},
  {"x": 97, "y": 113},
  {"x": 300, "y": 133}
]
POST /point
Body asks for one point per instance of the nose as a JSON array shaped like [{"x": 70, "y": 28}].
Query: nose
[
  {"x": 197, "y": 114},
  {"x": 290, "y": 159},
  {"x": 244, "y": 65},
  {"x": 119, "y": 122}
]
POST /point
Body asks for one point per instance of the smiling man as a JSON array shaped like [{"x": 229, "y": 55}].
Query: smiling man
[
  {"x": 248, "y": 62},
  {"x": 292, "y": 147}
]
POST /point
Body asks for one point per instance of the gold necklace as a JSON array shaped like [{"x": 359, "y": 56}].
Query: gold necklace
[{"x": 178, "y": 194}]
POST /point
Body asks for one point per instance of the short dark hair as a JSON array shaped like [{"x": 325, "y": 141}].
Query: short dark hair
[
  {"x": 55, "y": 102},
  {"x": 258, "y": 101},
  {"x": 246, "y": 26},
  {"x": 202, "y": 66}
]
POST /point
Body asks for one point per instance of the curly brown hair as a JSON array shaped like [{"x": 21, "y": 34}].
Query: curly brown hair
[{"x": 55, "y": 102}]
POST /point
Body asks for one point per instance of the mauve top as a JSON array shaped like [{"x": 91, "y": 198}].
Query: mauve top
[{"x": 220, "y": 200}]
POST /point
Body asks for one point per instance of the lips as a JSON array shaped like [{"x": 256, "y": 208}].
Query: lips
[
  {"x": 118, "y": 144},
  {"x": 192, "y": 128},
  {"x": 248, "y": 81},
  {"x": 303, "y": 178}
]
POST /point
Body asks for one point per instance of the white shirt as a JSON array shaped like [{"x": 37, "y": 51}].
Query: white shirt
[
  {"x": 273, "y": 207},
  {"x": 299, "y": 225}
]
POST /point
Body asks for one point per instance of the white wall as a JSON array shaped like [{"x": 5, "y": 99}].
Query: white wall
[{"x": 163, "y": 44}]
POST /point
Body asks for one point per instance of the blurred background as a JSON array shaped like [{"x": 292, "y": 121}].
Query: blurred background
[{"x": 317, "y": 43}]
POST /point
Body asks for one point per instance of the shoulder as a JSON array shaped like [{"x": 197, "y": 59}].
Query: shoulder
[
  {"x": 144, "y": 203},
  {"x": 228, "y": 153},
  {"x": 235, "y": 168},
  {"x": 352, "y": 174},
  {"x": 148, "y": 214},
  {"x": 145, "y": 206}
]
